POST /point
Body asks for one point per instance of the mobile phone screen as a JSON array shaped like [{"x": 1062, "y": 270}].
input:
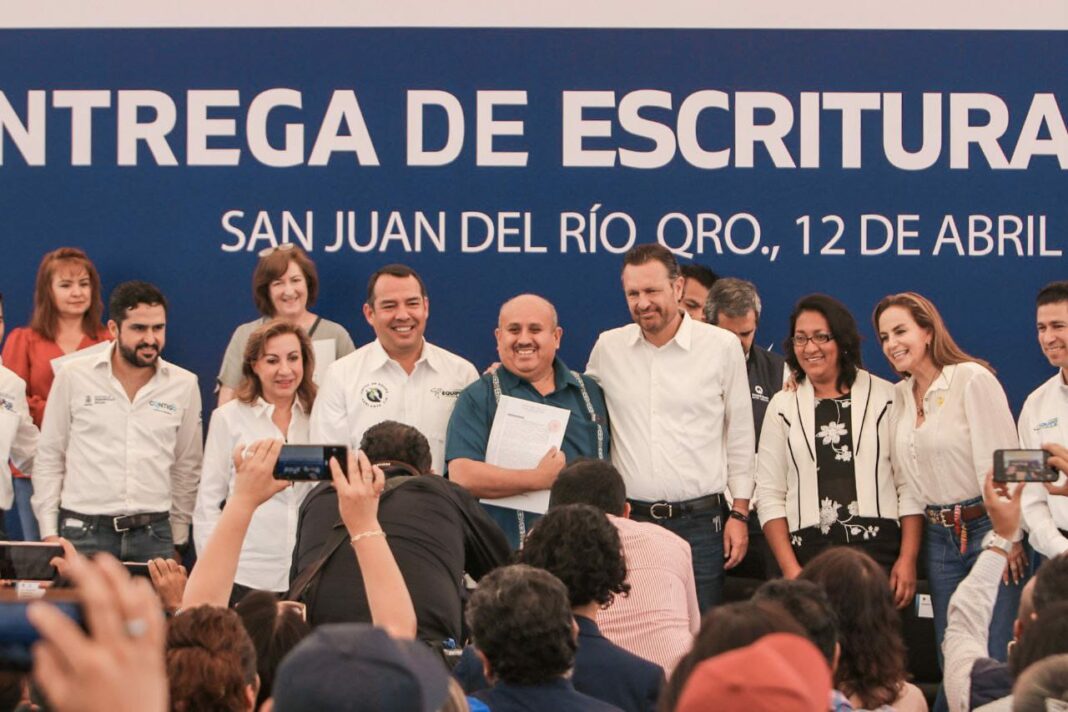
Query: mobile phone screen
[
  {"x": 28, "y": 561},
  {"x": 1023, "y": 466},
  {"x": 309, "y": 463}
]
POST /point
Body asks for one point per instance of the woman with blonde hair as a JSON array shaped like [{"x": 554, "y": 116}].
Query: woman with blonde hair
[
  {"x": 67, "y": 309},
  {"x": 949, "y": 415},
  {"x": 273, "y": 400}
]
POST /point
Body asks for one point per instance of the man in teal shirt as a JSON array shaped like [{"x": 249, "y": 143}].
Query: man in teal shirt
[{"x": 528, "y": 337}]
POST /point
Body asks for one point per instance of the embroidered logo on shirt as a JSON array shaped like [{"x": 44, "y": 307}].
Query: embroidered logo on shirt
[
  {"x": 7, "y": 404},
  {"x": 442, "y": 393},
  {"x": 161, "y": 407},
  {"x": 758, "y": 394},
  {"x": 374, "y": 395},
  {"x": 98, "y": 400},
  {"x": 1046, "y": 424}
]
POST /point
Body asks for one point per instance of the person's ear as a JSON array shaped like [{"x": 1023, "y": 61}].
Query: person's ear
[
  {"x": 626, "y": 510},
  {"x": 487, "y": 669}
]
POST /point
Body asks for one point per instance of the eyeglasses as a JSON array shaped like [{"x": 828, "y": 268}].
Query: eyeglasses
[
  {"x": 297, "y": 607},
  {"x": 268, "y": 251},
  {"x": 819, "y": 339}
]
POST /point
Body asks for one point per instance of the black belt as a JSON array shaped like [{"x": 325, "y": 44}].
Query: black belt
[
  {"x": 673, "y": 510},
  {"x": 118, "y": 522}
]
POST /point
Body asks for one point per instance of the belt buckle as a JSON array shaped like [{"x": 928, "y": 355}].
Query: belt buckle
[
  {"x": 115, "y": 524},
  {"x": 654, "y": 515},
  {"x": 940, "y": 517}
]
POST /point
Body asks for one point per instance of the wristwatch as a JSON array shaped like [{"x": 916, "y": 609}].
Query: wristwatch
[{"x": 993, "y": 540}]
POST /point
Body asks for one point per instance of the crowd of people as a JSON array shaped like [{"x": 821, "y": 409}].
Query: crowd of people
[{"x": 424, "y": 575}]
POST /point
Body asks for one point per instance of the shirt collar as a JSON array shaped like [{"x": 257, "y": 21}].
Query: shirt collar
[
  {"x": 261, "y": 407},
  {"x": 562, "y": 376},
  {"x": 683, "y": 336},
  {"x": 103, "y": 360},
  {"x": 379, "y": 358}
]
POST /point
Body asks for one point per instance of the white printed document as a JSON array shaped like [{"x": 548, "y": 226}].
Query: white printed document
[{"x": 522, "y": 432}]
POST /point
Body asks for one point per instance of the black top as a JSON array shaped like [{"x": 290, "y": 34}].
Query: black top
[
  {"x": 840, "y": 525},
  {"x": 765, "y": 370},
  {"x": 436, "y": 531}
]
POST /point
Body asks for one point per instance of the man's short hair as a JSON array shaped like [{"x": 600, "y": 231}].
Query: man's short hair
[
  {"x": 397, "y": 442},
  {"x": 210, "y": 660},
  {"x": 700, "y": 274},
  {"x": 733, "y": 297},
  {"x": 1048, "y": 637},
  {"x": 578, "y": 545},
  {"x": 653, "y": 252},
  {"x": 590, "y": 481},
  {"x": 394, "y": 270},
  {"x": 808, "y": 604},
  {"x": 520, "y": 618},
  {"x": 1052, "y": 293},
  {"x": 129, "y": 295},
  {"x": 1051, "y": 584},
  {"x": 1045, "y": 680}
]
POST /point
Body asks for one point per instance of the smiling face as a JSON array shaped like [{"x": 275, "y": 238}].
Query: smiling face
[
  {"x": 528, "y": 337},
  {"x": 818, "y": 361},
  {"x": 141, "y": 335},
  {"x": 1053, "y": 333},
  {"x": 72, "y": 290},
  {"x": 653, "y": 298},
  {"x": 280, "y": 368},
  {"x": 289, "y": 293},
  {"x": 905, "y": 343},
  {"x": 398, "y": 314}
]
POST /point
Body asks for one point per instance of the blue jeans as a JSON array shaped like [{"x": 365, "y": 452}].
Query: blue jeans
[
  {"x": 141, "y": 544},
  {"x": 704, "y": 533},
  {"x": 28, "y": 522},
  {"x": 947, "y": 567}
]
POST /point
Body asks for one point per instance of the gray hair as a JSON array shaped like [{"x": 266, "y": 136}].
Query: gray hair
[
  {"x": 733, "y": 297},
  {"x": 1042, "y": 682}
]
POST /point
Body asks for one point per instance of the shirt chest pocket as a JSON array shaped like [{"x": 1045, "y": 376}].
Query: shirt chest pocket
[{"x": 154, "y": 428}]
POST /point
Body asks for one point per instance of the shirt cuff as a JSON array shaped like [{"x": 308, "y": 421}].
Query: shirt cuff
[{"x": 180, "y": 533}]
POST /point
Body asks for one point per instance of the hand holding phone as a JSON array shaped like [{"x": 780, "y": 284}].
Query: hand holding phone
[{"x": 28, "y": 561}]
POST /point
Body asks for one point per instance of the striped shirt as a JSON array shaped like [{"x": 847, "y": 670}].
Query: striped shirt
[{"x": 659, "y": 618}]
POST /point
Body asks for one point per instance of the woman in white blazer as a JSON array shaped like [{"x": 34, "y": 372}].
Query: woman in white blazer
[{"x": 824, "y": 473}]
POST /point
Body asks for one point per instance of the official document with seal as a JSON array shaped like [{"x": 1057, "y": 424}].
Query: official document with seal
[{"x": 522, "y": 432}]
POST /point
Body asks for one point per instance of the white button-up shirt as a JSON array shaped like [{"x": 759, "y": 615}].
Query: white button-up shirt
[
  {"x": 267, "y": 552},
  {"x": 102, "y": 454},
  {"x": 681, "y": 414},
  {"x": 1044, "y": 419},
  {"x": 966, "y": 418},
  {"x": 367, "y": 387},
  {"x": 18, "y": 434}
]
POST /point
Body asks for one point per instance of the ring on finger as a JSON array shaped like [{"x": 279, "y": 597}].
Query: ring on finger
[{"x": 136, "y": 627}]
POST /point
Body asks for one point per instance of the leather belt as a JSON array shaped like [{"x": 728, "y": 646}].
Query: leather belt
[
  {"x": 943, "y": 516},
  {"x": 673, "y": 510},
  {"x": 119, "y": 522}
]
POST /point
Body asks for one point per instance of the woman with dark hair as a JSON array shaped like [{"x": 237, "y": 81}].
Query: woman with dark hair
[
  {"x": 67, "y": 309},
  {"x": 284, "y": 285},
  {"x": 949, "y": 415},
  {"x": 275, "y": 628},
  {"x": 871, "y": 669},
  {"x": 727, "y": 627},
  {"x": 273, "y": 401},
  {"x": 824, "y": 474}
]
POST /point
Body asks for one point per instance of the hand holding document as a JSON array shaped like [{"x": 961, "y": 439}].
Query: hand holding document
[{"x": 522, "y": 433}]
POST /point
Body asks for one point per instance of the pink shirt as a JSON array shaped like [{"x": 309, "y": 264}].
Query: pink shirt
[{"x": 659, "y": 618}]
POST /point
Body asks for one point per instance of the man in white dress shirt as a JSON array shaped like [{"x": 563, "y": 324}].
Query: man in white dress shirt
[
  {"x": 681, "y": 417},
  {"x": 18, "y": 434},
  {"x": 398, "y": 376},
  {"x": 1044, "y": 419},
  {"x": 119, "y": 458}
]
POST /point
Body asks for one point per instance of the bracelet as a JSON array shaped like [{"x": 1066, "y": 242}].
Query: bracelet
[
  {"x": 741, "y": 517},
  {"x": 364, "y": 535}
]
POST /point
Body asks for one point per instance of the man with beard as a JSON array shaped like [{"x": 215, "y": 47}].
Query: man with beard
[
  {"x": 682, "y": 421},
  {"x": 398, "y": 376},
  {"x": 528, "y": 336},
  {"x": 119, "y": 458}
]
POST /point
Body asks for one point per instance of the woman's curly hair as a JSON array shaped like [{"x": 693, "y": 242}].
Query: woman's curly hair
[
  {"x": 578, "y": 545},
  {"x": 872, "y": 664}
]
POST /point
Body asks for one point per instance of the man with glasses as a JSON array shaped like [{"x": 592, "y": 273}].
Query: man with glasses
[{"x": 682, "y": 422}]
